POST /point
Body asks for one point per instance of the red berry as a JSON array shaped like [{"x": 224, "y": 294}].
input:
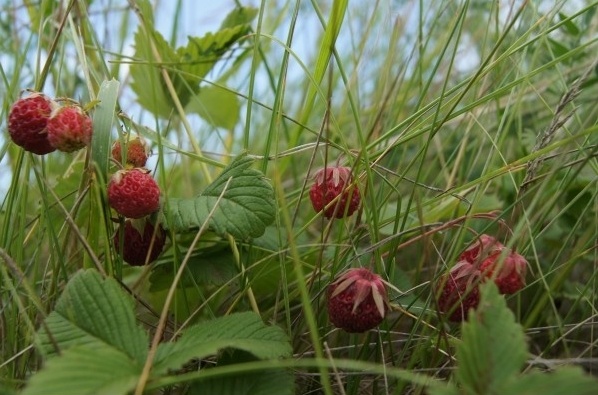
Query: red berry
[
  {"x": 357, "y": 300},
  {"x": 27, "y": 123},
  {"x": 483, "y": 247},
  {"x": 142, "y": 242},
  {"x": 69, "y": 128},
  {"x": 511, "y": 272},
  {"x": 330, "y": 182},
  {"x": 137, "y": 152},
  {"x": 458, "y": 291},
  {"x": 133, "y": 193}
]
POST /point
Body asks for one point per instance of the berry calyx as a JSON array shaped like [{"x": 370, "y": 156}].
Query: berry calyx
[
  {"x": 142, "y": 242},
  {"x": 510, "y": 272},
  {"x": 69, "y": 128},
  {"x": 27, "y": 123},
  {"x": 136, "y": 152},
  {"x": 483, "y": 247},
  {"x": 457, "y": 292},
  {"x": 357, "y": 300},
  {"x": 333, "y": 183},
  {"x": 133, "y": 193}
]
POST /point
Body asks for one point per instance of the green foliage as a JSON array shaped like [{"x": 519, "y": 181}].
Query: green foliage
[
  {"x": 186, "y": 67},
  {"x": 243, "y": 331},
  {"x": 103, "y": 349},
  {"x": 493, "y": 351},
  {"x": 242, "y": 200}
]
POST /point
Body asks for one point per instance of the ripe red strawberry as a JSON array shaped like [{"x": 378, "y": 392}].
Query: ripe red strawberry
[
  {"x": 510, "y": 277},
  {"x": 142, "y": 242},
  {"x": 357, "y": 300},
  {"x": 133, "y": 193},
  {"x": 330, "y": 182},
  {"x": 27, "y": 123},
  {"x": 483, "y": 247},
  {"x": 69, "y": 128},
  {"x": 458, "y": 291},
  {"x": 136, "y": 153}
]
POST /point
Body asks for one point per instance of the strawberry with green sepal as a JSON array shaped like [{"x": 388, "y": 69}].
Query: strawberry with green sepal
[
  {"x": 357, "y": 300},
  {"x": 69, "y": 128},
  {"x": 333, "y": 184},
  {"x": 133, "y": 193},
  {"x": 27, "y": 123},
  {"x": 142, "y": 242},
  {"x": 137, "y": 152}
]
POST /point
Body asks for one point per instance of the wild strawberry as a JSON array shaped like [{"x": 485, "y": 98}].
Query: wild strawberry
[
  {"x": 483, "y": 247},
  {"x": 458, "y": 291},
  {"x": 27, "y": 123},
  {"x": 330, "y": 182},
  {"x": 357, "y": 300},
  {"x": 133, "y": 193},
  {"x": 142, "y": 243},
  {"x": 136, "y": 153},
  {"x": 510, "y": 277},
  {"x": 69, "y": 128}
]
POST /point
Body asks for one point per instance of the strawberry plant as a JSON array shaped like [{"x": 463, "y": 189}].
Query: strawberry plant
[{"x": 291, "y": 197}]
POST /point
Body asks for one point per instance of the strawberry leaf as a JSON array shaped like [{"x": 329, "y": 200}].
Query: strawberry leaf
[
  {"x": 187, "y": 66},
  {"x": 208, "y": 267},
  {"x": 245, "y": 209},
  {"x": 81, "y": 371},
  {"x": 219, "y": 107},
  {"x": 241, "y": 331},
  {"x": 264, "y": 382},
  {"x": 493, "y": 349},
  {"x": 564, "y": 380},
  {"x": 95, "y": 313}
]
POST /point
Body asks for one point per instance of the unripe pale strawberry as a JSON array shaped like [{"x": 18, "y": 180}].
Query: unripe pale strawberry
[
  {"x": 133, "y": 193},
  {"x": 331, "y": 182},
  {"x": 136, "y": 153},
  {"x": 510, "y": 275},
  {"x": 69, "y": 128},
  {"x": 458, "y": 291},
  {"x": 357, "y": 300},
  {"x": 27, "y": 123},
  {"x": 142, "y": 243}
]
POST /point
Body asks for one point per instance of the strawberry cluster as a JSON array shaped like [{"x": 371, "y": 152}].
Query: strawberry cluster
[
  {"x": 41, "y": 125},
  {"x": 134, "y": 194},
  {"x": 457, "y": 292}
]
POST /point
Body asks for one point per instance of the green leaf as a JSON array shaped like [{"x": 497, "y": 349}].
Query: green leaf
[
  {"x": 186, "y": 66},
  {"x": 94, "y": 312},
  {"x": 565, "y": 380},
  {"x": 568, "y": 25},
  {"x": 246, "y": 208},
  {"x": 147, "y": 79},
  {"x": 242, "y": 331},
  {"x": 493, "y": 348},
  {"x": 209, "y": 267},
  {"x": 268, "y": 382},
  {"x": 103, "y": 119},
  {"x": 81, "y": 371},
  {"x": 239, "y": 16},
  {"x": 217, "y": 106},
  {"x": 265, "y": 382}
]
